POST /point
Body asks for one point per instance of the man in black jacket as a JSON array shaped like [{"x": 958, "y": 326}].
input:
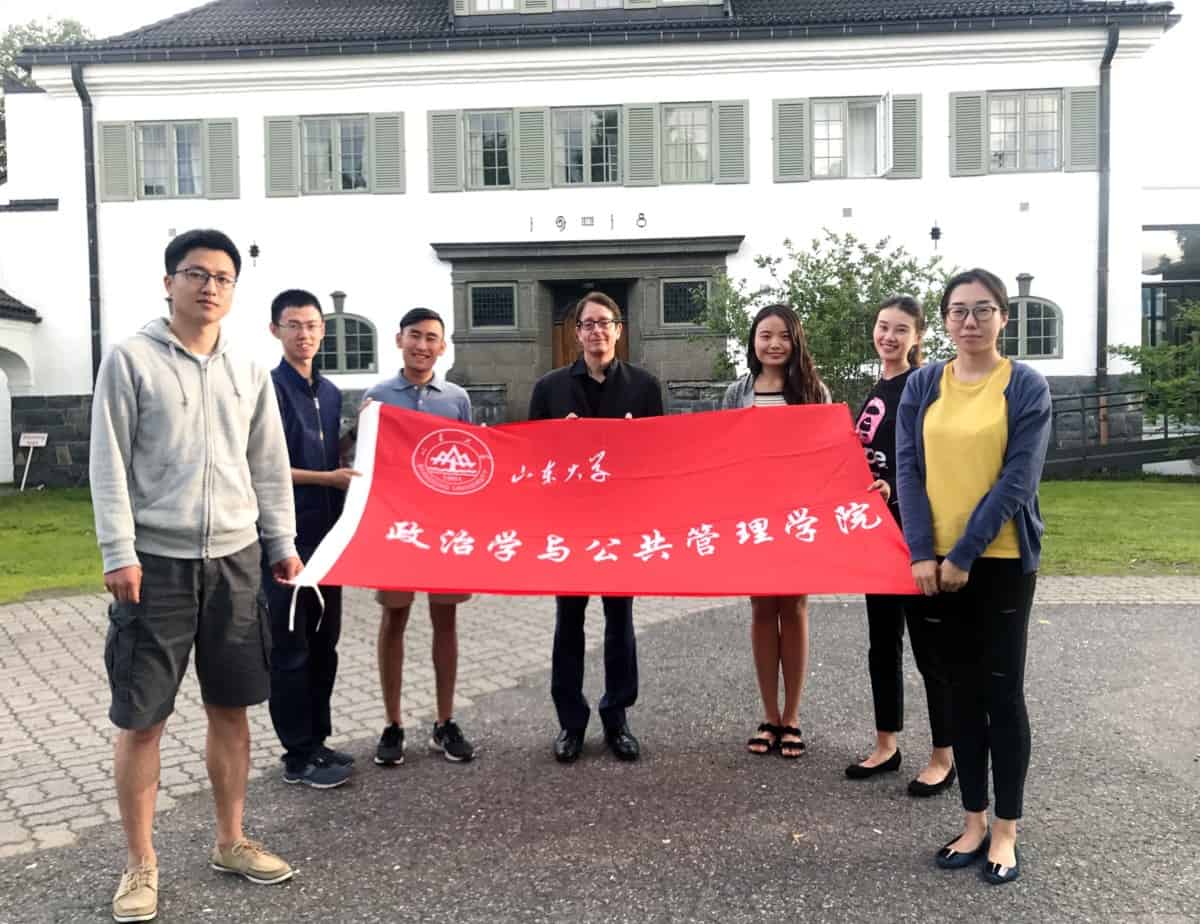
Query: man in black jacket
[{"x": 595, "y": 385}]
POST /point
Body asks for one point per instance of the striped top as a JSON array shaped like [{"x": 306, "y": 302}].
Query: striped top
[{"x": 769, "y": 399}]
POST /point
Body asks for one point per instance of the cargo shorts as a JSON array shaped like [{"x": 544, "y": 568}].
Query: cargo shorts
[{"x": 215, "y": 606}]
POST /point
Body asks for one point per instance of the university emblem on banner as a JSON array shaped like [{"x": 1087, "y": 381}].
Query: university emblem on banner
[{"x": 453, "y": 462}]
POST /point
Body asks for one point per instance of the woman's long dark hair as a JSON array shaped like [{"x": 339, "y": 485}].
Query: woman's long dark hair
[
  {"x": 911, "y": 307},
  {"x": 801, "y": 381}
]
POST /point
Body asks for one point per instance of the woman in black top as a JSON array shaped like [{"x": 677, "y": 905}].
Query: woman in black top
[{"x": 898, "y": 330}]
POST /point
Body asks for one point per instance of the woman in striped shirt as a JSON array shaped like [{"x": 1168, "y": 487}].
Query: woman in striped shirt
[{"x": 781, "y": 372}]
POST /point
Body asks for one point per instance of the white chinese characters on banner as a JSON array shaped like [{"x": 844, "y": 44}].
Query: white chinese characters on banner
[
  {"x": 854, "y": 516},
  {"x": 546, "y": 475},
  {"x": 801, "y": 526},
  {"x": 701, "y": 539}
]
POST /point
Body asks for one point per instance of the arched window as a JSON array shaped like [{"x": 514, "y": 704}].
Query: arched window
[
  {"x": 1034, "y": 329},
  {"x": 349, "y": 343}
]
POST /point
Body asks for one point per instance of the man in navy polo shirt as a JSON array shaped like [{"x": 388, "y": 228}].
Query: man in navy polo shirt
[{"x": 304, "y": 658}]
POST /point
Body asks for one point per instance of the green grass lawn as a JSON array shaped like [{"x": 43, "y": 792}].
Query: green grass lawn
[
  {"x": 1138, "y": 527},
  {"x": 47, "y": 544},
  {"x": 1121, "y": 527}
]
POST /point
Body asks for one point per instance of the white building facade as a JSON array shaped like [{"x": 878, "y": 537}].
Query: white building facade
[{"x": 491, "y": 181}]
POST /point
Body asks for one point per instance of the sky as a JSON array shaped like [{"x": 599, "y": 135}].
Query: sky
[{"x": 1172, "y": 68}]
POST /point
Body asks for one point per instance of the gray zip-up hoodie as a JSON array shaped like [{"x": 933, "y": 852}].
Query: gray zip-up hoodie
[{"x": 188, "y": 457}]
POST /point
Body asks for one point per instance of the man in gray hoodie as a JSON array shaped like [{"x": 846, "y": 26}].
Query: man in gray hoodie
[{"x": 188, "y": 468}]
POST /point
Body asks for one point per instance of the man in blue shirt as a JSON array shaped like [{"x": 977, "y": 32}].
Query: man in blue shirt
[
  {"x": 304, "y": 656},
  {"x": 417, "y": 387}
]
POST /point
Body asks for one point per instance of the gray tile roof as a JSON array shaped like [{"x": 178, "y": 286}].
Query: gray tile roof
[
  {"x": 14, "y": 309},
  {"x": 283, "y": 27}
]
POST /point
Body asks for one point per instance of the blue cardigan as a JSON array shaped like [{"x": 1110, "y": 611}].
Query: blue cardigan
[{"x": 1013, "y": 496}]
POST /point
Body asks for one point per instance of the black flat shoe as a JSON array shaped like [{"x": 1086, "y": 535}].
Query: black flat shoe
[
  {"x": 859, "y": 772},
  {"x": 568, "y": 745},
  {"x": 954, "y": 859},
  {"x": 924, "y": 790},
  {"x": 622, "y": 743},
  {"x": 995, "y": 874}
]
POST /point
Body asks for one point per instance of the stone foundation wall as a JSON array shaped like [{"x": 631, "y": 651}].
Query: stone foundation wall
[
  {"x": 1072, "y": 428},
  {"x": 693, "y": 397},
  {"x": 67, "y": 422},
  {"x": 66, "y": 419}
]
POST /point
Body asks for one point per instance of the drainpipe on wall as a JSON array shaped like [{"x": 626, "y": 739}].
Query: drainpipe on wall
[
  {"x": 89, "y": 175},
  {"x": 1110, "y": 49}
]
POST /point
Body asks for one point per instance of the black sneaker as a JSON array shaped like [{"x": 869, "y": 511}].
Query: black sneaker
[
  {"x": 448, "y": 738},
  {"x": 330, "y": 756},
  {"x": 317, "y": 775},
  {"x": 390, "y": 750}
]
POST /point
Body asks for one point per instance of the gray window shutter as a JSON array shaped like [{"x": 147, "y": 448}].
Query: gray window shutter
[
  {"x": 387, "y": 152},
  {"x": 445, "y": 151},
  {"x": 733, "y": 142},
  {"x": 1082, "y": 148},
  {"x": 533, "y": 148},
  {"x": 537, "y": 6},
  {"x": 640, "y": 134},
  {"x": 906, "y": 137},
  {"x": 460, "y": 8},
  {"x": 968, "y": 134},
  {"x": 118, "y": 172},
  {"x": 221, "y": 159},
  {"x": 792, "y": 140},
  {"x": 283, "y": 156},
  {"x": 640, "y": 4}
]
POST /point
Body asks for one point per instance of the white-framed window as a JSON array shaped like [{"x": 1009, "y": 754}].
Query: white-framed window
[
  {"x": 687, "y": 143},
  {"x": 170, "y": 160},
  {"x": 851, "y": 137},
  {"x": 348, "y": 346},
  {"x": 683, "y": 300},
  {"x": 492, "y": 304},
  {"x": 1034, "y": 329},
  {"x": 334, "y": 154},
  {"x": 1025, "y": 130},
  {"x": 587, "y": 146},
  {"x": 489, "y": 150},
  {"x": 588, "y": 4},
  {"x": 493, "y": 6}
]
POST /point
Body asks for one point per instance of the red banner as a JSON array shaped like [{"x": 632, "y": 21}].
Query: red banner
[{"x": 754, "y": 501}]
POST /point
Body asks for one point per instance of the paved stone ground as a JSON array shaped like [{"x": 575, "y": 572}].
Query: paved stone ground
[
  {"x": 1114, "y": 674},
  {"x": 55, "y": 737}
]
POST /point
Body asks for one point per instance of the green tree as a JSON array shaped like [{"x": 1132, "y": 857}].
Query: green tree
[
  {"x": 835, "y": 286},
  {"x": 1170, "y": 372},
  {"x": 35, "y": 32}
]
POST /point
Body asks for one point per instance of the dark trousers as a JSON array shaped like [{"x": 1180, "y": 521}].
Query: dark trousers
[
  {"x": 886, "y": 618},
  {"x": 620, "y": 662},
  {"x": 303, "y": 668},
  {"x": 987, "y": 631}
]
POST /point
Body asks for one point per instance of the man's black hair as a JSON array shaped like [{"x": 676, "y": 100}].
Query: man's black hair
[
  {"x": 205, "y": 238},
  {"x": 293, "y": 298},
  {"x": 417, "y": 315}
]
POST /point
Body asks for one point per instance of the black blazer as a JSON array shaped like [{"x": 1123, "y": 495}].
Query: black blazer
[{"x": 627, "y": 390}]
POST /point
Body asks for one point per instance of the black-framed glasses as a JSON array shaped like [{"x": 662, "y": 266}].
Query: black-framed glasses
[
  {"x": 601, "y": 323},
  {"x": 199, "y": 277},
  {"x": 981, "y": 312}
]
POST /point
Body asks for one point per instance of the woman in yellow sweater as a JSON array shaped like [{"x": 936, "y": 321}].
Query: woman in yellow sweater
[{"x": 971, "y": 438}]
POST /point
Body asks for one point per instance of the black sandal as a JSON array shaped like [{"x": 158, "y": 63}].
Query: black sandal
[
  {"x": 761, "y": 740},
  {"x": 791, "y": 749}
]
